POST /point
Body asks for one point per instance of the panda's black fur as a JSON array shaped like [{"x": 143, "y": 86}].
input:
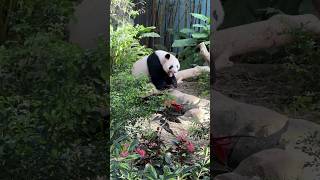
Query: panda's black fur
[{"x": 158, "y": 76}]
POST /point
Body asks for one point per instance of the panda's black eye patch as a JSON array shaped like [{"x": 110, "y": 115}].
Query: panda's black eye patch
[
  {"x": 171, "y": 67},
  {"x": 167, "y": 56}
]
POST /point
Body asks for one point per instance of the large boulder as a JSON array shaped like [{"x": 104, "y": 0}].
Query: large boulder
[
  {"x": 275, "y": 150},
  {"x": 276, "y": 164},
  {"x": 233, "y": 118},
  {"x": 235, "y": 176}
]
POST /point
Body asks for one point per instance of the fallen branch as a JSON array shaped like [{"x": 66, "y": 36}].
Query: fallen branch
[
  {"x": 259, "y": 35},
  {"x": 204, "y": 52},
  {"x": 192, "y": 72}
]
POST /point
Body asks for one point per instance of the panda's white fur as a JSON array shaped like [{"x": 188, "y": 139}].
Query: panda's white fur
[{"x": 140, "y": 67}]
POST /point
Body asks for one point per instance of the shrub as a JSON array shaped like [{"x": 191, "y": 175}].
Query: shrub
[
  {"x": 50, "y": 96},
  {"x": 127, "y": 105},
  {"x": 125, "y": 47},
  {"x": 151, "y": 159},
  {"x": 302, "y": 66},
  {"x": 23, "y": 18},
  {"x": 189, "y": 38},
  {"x": 122, "y": 12}
]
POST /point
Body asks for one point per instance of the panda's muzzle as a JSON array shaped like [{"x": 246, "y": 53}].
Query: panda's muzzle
[{"x": 170, "y": 73}]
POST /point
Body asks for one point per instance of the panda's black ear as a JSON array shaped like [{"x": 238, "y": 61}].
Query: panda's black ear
[{"x": 167, "y": 56}]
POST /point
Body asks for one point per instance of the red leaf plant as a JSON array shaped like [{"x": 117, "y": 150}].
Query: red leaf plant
[
  {"x": 141, "y": 152},
  {"x": 124, "y": 154},
  {"x": 173, "y": 104},
  {"x": 184, "y": 147}
]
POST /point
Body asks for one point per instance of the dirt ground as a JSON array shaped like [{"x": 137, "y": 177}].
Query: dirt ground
[
  {"x": 257, "y": 84},
  {"x": 190, "y": 86},
  {"x": 261, "y": 84}
]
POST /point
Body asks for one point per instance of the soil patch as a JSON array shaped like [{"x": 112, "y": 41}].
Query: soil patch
[{"x": 261, "y": 84}]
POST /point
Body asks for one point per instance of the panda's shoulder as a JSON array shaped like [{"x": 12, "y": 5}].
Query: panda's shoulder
[{"x": 161, "y": 53}]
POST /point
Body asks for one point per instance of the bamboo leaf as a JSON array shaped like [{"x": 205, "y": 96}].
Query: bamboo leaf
[
  {"x": 186, "y": 31},
  {"x": 199, "y": 35},
  {"x": 200, "y": 16},
  {"x": 199, "y": 26},
  {"x": 184, "y": 42},
  {"x": 151, "y": 34}
]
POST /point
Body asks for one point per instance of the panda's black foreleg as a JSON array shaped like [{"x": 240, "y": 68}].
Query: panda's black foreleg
[
  {"x": 161, "y": 84},
  {"x": 167, "y": 83},
  {"x": 172, "y": 82}
]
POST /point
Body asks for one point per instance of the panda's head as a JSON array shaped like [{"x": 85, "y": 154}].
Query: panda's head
[{"x": 169, "y": 62}]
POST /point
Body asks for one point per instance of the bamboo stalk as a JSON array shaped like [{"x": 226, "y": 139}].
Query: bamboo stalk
[
  {"x": 165, "y": 23},
  {"x": 157, "y": 20},
  {"x": 192, "y": 7},
  {"x": 185, "y": 12},
  {"x": 175, "y": 14},
  {"x": 170, "y": 13},
  {"x": 199, "y": 11},
  {"x": 200, "y": 7},
  {"x": 160, "y": 20},
  {"x": 206, "y": 8}
]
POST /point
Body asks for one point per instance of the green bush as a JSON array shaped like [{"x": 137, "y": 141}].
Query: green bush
[
  {"x": 189, "y": 38},
  {"x": 151, "y": 159},
  {"x": 21, "y": 18},
  {"x": 50, "y": 96},
  {"x": 122, "y": 12},
  {"x": 199, "y": 33},
  {"x": 127, "y": 105},
  {"x": 125, "y": 47},
  {"x": 302, "y": 65}
]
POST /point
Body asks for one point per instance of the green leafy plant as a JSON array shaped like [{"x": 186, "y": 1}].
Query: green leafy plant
[
  {"x": 193, "y": 36},
  {"x": 189, "y": 38},
  {"x": 150, "y": 158},
  {"x": 204, "y": 84},
  {"x": 122, "y": 12},
  {"x": 22, "y": 18},
  {"x": 302, "y": 67},
  {"x": 125, "y": 47},
  {"x": 202, "y": 166},
  {"x": 51, "y": 97},
  {"x": 127, "y": 104}
]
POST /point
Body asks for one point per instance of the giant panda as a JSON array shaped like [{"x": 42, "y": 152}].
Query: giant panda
[{"x": 160, "y": 66}]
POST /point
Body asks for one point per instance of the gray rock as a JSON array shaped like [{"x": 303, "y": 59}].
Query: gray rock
[
  {"x": 235, "y": 176},
  {"x": 234, "y": 118},
  {"x": 275, "y": 164}
]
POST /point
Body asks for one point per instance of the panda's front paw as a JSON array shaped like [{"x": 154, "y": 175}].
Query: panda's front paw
[{"x": 179, "y": 81}]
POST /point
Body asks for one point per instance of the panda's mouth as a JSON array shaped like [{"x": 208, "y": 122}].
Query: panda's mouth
[{"x": 170, "y": 73}]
